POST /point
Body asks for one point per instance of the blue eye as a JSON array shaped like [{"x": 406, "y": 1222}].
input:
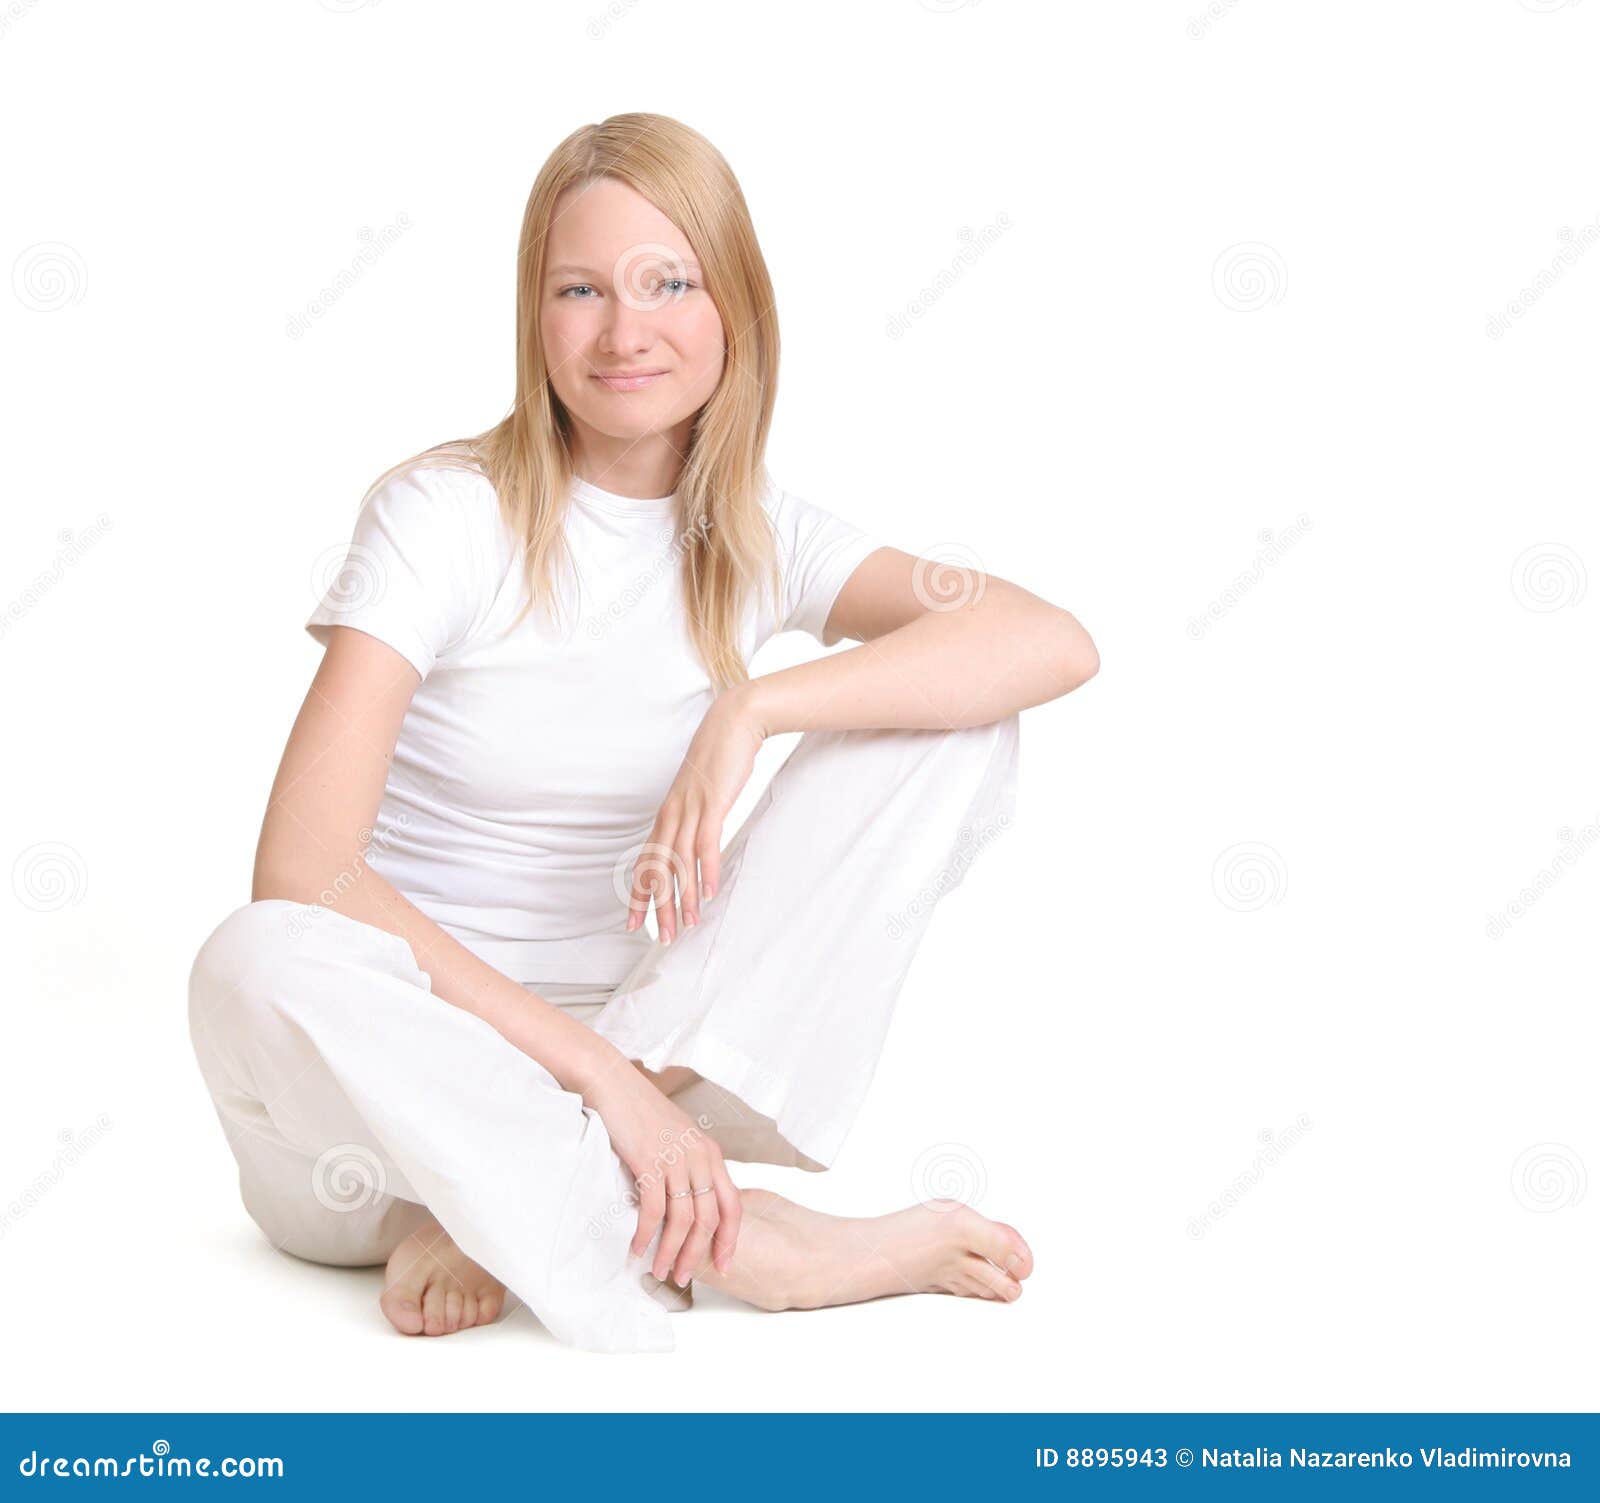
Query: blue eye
[{"x": 682, "y": 284}]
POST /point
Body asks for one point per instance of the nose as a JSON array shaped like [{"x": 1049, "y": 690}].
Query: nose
[{"x": 626, "y": 330}]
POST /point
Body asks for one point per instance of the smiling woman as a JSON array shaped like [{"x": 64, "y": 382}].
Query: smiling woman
[{"x": 440, "y": 1036}]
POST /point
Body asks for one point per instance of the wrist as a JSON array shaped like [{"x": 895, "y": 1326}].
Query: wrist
[
  {"x": 571, "y": 1051},
  {"x": 749, "y": 706},
  {"x": 594, "y": 1067}
]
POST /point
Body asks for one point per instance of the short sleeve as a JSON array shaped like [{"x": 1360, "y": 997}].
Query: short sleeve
[
  {"x": 413, "y": 575},
  {"x": 817, "y": 554}
]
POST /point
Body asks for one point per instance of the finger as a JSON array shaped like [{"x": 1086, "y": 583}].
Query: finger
[
  {"x": 640, "y": 884},
  {"x": 661, "y": 860},
  {"x": 703, "y": 1228},
  {"x": 652, "y": 1207},
  {"x": 685, "y": 863},
  {"x": 708, "y": 852},
  {"x": 678, "y": 1221},
  {"x": 666, "y": 911},
  {"x": 670, "y": 871},
  {"x": 730, "y": 1213}
]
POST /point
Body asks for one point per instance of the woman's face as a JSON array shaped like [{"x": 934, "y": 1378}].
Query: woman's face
[{"x": 632, "y": 341}]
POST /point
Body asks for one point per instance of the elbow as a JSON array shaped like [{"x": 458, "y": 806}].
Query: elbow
[
  {"x": 1074, "y": 658},
  {"x": 270, "y": 882},
  {"x": 288, "y": 874}
]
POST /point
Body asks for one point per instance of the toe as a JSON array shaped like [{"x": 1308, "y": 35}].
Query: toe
[
  {"x": 433, "y": 1309},
  {"x": 991, "y": 1282},
  {"x": 452, "y": 1309},
  {"x": 1003, "y": 1246},
  {"x": 1019, "y": 1261},
  {"x": 402, "y": 1310},
  {"x": 489, "y": 1307},
  {"x": 469, "y": 1310}
]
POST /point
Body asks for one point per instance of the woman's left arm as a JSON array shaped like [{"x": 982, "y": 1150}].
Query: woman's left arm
[{"x": 941, "y": 648}]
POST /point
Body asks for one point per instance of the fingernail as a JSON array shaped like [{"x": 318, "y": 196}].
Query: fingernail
[
  {"x": 711, "y": 890},
  {"x": 1013, "y": 1263}
]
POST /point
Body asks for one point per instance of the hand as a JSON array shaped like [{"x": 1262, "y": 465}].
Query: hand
[
  {"x": 680, "y": 860},
  {"x": 667, "y": 1151}
]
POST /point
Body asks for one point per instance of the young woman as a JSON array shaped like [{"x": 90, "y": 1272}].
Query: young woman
[{"x": 439, "y": 1036}]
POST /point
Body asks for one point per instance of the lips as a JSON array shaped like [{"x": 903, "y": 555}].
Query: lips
[{"x": 627, "y": 380}]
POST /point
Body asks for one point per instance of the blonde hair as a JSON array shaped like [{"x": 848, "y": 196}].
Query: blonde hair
[{"x": 725, "y": 537}]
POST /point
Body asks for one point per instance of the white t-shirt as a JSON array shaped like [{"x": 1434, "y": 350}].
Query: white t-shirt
[{"x": 531, "y": 764}]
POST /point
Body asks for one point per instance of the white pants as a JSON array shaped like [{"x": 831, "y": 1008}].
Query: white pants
[{"x": 356, "y": 1102}]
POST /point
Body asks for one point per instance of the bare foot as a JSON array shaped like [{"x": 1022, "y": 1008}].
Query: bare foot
[
  {"x": 432, "y": 1288},
  {"x": 791, "y": 1258}
]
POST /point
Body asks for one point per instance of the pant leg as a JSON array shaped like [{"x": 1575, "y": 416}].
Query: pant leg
[
  {"x": 781, "y": 996},
  {"x": 341, "y": 1078}
]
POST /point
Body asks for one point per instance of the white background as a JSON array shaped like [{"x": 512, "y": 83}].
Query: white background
[{"x": 1108, "y": 402}]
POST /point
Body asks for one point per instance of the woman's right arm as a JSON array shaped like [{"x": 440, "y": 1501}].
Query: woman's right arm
[{"x": 328, "y": 789}]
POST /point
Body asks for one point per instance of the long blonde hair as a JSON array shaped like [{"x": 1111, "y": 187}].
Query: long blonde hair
[{"x": 724, "y": 536}]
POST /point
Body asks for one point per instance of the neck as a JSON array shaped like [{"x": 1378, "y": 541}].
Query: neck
[{"x": 640, "y": 468}]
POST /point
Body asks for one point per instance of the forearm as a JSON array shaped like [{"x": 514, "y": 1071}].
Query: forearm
[
  {"x": 573, "y": 1053},
  {"x": 943, "y": 670}
]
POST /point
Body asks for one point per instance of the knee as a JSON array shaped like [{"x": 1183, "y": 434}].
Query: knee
[
  {"x": 341, "y": 1237},
  {"x": 996, "y": 800},
  {"x": 246, "y": 955},
  {"x": 981, "y": 757}
]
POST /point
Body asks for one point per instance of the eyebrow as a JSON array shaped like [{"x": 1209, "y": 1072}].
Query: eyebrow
[{"x": 688, "y": 264}]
